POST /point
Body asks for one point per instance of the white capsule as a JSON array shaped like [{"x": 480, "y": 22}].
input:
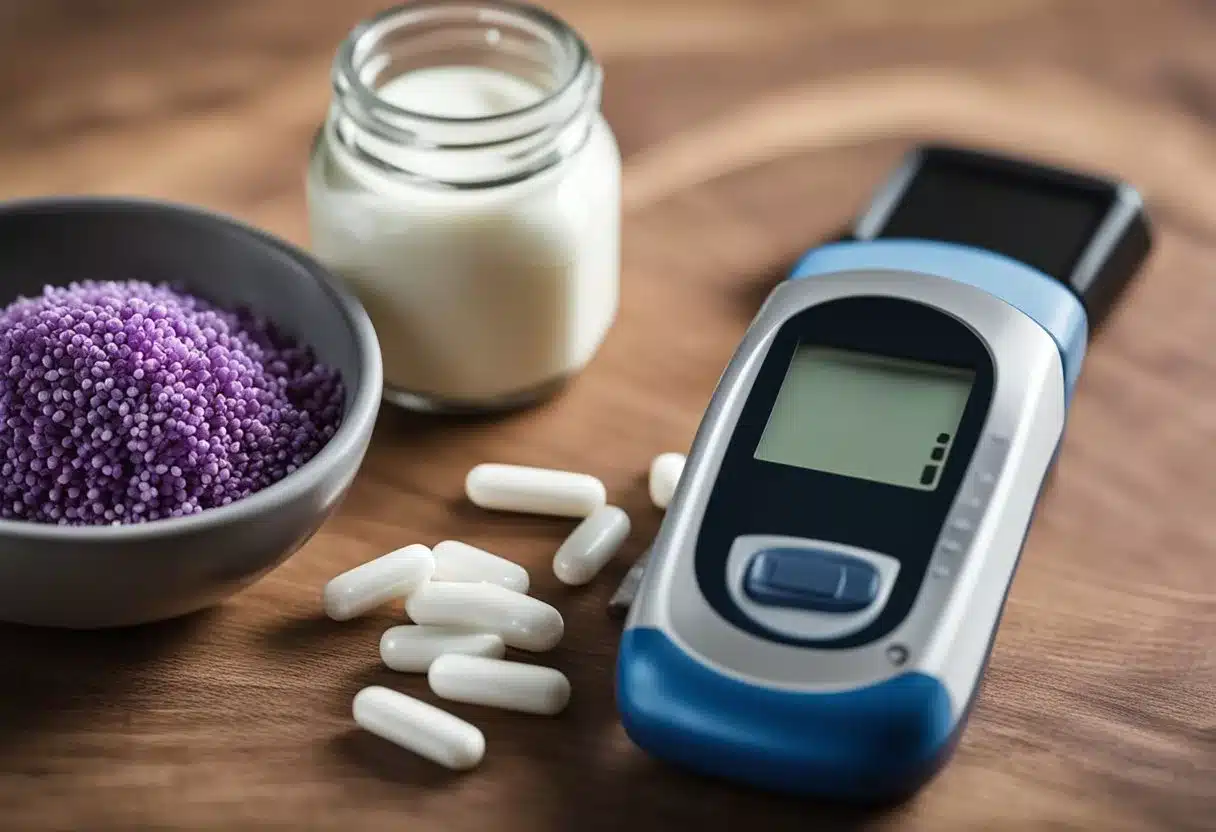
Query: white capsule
[
  {"x": 665, "y": 473},
  {"x": 411, "y": 648},
  {"x": 456, "y": 561},
  {"x": 424, "y": 729},
  {"x": 378, "y": 581},
  {"x": 590, "y": 546},
  {"x": 520, "y": 620},
  {"x": 500, "y": 684},
  {"x": 534, "y": 490}
]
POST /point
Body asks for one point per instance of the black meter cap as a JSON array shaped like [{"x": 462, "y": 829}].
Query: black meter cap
[{"x": 1088, "y": 232}]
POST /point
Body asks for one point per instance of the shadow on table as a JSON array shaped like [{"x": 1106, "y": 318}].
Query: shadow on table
[
  {"x": 601, "y": 781},
  {"x": 54, "y": 679},
  {"x": 307, "y": 633},
  {"x": 386, "y": 762}
]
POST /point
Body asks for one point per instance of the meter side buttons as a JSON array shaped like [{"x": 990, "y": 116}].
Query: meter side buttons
[{"x": 964, "y": 519}]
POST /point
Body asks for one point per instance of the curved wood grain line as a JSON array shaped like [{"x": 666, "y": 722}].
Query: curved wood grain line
[
  {"x": 1051, "y": 116},
  {"x": 676, "y": 29}
]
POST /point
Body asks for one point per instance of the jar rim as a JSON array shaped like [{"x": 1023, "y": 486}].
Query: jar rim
[{"x": 347, "y": 71}]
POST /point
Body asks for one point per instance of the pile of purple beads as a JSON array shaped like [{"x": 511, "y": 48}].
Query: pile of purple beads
[{"x": 124, "y": 402}]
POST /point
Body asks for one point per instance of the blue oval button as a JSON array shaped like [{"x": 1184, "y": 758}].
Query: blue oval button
[{"x": 811, "y": 579}]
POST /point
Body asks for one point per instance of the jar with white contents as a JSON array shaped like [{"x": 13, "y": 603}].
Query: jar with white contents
[{"x": 467, "y": 188}]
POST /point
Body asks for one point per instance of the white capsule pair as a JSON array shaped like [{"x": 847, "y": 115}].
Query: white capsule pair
[
  {"x": 521, "y": 621},
  {"x": 377, "y": 582},
  {"x": 467, "y": 667},
  {"x": 397, "y": 574},
  {"x": 462, "y": 563},
  {"x": 444, "y": 738}
]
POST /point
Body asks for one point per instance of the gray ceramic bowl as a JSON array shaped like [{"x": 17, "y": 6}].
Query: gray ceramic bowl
[{"x": 111, "y": 576}]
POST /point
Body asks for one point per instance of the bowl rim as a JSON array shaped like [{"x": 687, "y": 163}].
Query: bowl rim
[{"x": 356, "y": 423}]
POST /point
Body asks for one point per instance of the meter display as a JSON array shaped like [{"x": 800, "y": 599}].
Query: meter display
[{"x": 866, "y": 416}]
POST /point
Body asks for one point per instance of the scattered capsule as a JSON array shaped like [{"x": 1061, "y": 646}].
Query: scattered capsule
[
  {"x": 424, "y": 729},
  {"x": 411, "y": 648},
  {"x": 521, "y": 621},
  {"x": 534, "y": 490},
  {"x": 513, "y": 686},
  {"x": 456, "y": 561},
  {"x": 377, "y": 582},
  {"x": 665, "y": 473},
  {"x": 591, "y": 545}
]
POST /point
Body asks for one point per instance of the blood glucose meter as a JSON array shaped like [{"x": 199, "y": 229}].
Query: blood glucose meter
[{"x": 821, "y": 599}]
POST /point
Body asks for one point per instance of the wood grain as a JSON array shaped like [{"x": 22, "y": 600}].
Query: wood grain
[{"x": 750, "y": 131}]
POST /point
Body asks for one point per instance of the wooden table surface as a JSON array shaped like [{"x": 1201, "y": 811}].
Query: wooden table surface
[{"x": 750, "y": 131}]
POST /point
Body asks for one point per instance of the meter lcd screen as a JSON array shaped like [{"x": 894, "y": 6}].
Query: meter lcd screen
[{"x": 866, "y": 416}]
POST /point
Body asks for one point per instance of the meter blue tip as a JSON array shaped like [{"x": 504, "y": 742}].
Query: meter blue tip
[{"x": 875, "y": 744}]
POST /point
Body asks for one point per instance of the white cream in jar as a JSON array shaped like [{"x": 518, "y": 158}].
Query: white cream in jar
[{"x": 467, "y": 187}]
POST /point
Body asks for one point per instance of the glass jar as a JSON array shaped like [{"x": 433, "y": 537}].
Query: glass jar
[{"x": 467, "y": 188}]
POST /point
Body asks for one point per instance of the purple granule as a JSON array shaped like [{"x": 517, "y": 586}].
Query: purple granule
[{"x": 123, "y": 402}]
